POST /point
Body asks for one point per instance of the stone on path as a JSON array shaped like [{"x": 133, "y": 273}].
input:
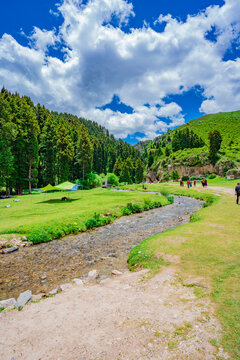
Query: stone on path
[
  {"x": 24, "y": 298},
  {"x": 116, "y": 272},
  {"x": 8, "y": 302},
  {"x": 53, "y": 292},
  {"x": 9, "y": 250},
  {"x": 78, "y": 281},
  {"x": 64, "y": 287},
  {"x": 93, "y": 275}
]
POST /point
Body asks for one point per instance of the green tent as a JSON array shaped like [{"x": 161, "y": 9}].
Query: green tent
[
  {"x": 49, "y": 187},
  {"x": 67, "y": 186}
]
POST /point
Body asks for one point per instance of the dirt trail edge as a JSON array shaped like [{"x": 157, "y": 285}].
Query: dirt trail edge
[{"x": 121, "y": 318}]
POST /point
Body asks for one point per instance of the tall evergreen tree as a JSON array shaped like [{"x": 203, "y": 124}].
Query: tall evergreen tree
[
  {"x": 84, "y": 151},
  {"x": 215, "y": 141},
  {"x": 65, "y": 152},
  {"x": 139, "y": 169},
  {"x": 48, "y": 147}
]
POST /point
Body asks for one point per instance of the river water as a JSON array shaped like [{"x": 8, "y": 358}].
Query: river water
[{"x": 42, "y": 267}]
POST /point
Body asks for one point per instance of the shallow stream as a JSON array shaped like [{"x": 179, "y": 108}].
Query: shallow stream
[{"x": 42, "y": 267}]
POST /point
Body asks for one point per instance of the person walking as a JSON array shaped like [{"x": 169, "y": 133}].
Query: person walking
[
  {"x": 188, "y": 184},
  {"x": 237, "y": 191},
  {"x": 195, "y": 182}
]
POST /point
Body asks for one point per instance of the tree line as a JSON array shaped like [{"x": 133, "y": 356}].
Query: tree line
[{"x": 38, "y": 146}]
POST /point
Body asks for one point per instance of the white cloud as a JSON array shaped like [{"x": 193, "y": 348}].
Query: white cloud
[{"x": 142, "y": 66}]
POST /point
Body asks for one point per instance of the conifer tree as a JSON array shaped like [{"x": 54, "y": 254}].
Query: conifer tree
[
  {"x": 65, "y": 152},
  {"x": 84, "y": 151},
  {"x": 48, "y": 148},
  {"x": 139, "y": 169},
  {"x": 118, "y": 167}
]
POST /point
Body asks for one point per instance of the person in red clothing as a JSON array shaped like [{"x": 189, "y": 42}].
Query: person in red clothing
[
  {"x": 194, "y": 182},
  {"x": 188, "y": 184}
]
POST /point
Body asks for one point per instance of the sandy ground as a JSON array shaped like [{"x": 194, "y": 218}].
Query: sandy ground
[{"x": 126, "y": 317}]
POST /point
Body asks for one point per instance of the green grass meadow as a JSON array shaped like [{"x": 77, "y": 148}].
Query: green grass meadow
[
  {"x": 209, "y": 247},
  {"x": 39, "y": 212}
]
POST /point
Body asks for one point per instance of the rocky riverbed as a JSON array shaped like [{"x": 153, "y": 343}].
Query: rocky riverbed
[{"x": 42, "y": 267}]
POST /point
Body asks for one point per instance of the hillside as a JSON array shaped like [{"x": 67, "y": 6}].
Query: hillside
[
  {"x": 228, "y": 124},
  {"x": 186, "y": 148}
]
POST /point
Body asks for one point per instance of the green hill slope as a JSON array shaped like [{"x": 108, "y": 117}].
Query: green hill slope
[
  {"x": 162, "y": 154},
  {"x": 228, "y": 124}
]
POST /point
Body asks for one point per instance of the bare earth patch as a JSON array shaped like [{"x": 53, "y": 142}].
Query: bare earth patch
[{"x": 122, "y": 318}]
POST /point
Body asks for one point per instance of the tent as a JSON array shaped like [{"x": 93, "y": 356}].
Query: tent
[
  {"x": 67, "y": 186},
  {"x": 49, "y": 187}
]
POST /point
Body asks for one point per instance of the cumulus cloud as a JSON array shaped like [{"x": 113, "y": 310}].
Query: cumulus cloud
[{"x": 141, "y": 66}]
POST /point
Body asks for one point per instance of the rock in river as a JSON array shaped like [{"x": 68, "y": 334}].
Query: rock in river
[
  {"x": 9, "y": 250},
  {"x": 116, "y": 272},
  {"x": 93, "y": 275}
]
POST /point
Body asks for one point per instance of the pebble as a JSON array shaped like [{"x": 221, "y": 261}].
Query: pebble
[
  {"x": 93, "y": 275},
  {"x": 116, "y": 272},
  {"x": 64, "y": 287},
  {"x": 53, "y": 292},
  {"x": 78, "y": 281}
]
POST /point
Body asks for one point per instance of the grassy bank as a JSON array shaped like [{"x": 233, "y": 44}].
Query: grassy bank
[
  {"x": 208, "y": 247},
  {"x": 42, "y": 217}
]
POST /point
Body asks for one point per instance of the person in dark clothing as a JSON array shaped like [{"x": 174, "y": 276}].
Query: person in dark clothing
[{"x": 237, "y": 191}]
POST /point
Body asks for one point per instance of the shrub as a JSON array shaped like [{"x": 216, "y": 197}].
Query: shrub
[
  {"x": 195, "y": 178},
  {"x": 91, "y": 223},
  {"x": 185, "y": 178},
  {"x": 39, "y": 236},
  {"x": 164, "y": 192},
  {"x": 112, "y": 179},
  {"x": 170, "y": 199},
  {"x": 175, "y": 175},
  {"x": 212, "y": 176},
  {"x": 126, "y": 211},
  {"x": 93, "y": 180}
]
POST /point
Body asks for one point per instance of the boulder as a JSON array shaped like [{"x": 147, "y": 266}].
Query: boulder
[
  {"x": 24, "y": 298},
  {"x": 9, "y": 250},
  {"x": 93, "y": 275},
  {"x": 8, "y": 302},
  {"x": 116, "y": 272}
]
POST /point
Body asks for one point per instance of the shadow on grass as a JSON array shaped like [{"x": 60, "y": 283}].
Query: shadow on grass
[{"x": 58, "y": 201}]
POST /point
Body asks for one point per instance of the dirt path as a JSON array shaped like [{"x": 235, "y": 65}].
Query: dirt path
[
  {"x": 119, "y": 319},
  {"x": 228, "y": 191}
]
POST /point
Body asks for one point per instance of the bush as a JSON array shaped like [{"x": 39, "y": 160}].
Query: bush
[
  {"x": 212, "y": 176},
  {"x": 170, "y": 199},
  {"x": 39, "y": 236},
  {"x": 93, "y": 180},
  {"x": 164, "y": 192},
  {"x": 195, "y": 178},
  {"x": 112, "y": 179},
  {"x": 185, "y": 178}
]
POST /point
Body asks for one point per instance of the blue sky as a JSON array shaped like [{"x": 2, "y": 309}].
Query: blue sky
[{"x": 137, "y": 67}]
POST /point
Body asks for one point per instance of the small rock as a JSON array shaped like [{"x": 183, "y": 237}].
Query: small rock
[
  {"x": 29, "y": 243},
  {"x": 38, "y": 296},
  {"x": 93, "y": 275},
  {"x": 64, "y": 287},
  {"x": 8, "y": 206},
  {"x": 53, "y": 292},
  {"x": 11, "y": 307},
  {"x": 9, "y": 250},
  {"x": 24, "y": 298},
  {"x": 24, "y": 238},
  {"x": 8, "y": 302},
  {"x": 116, "y": 272},
  {"x": 78, "y": 281}
]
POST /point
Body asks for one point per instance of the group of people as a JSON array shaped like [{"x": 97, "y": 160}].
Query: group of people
[{"x": 189, "y": 183}]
